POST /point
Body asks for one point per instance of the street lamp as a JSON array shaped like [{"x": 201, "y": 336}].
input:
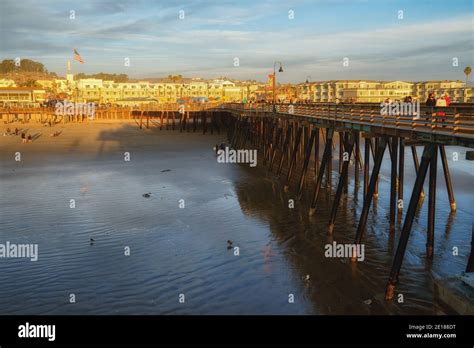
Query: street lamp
[{"x": 274, "y": 82}]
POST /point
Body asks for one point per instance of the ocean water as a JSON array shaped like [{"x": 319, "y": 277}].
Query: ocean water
[{"x": 183, "y": 251}]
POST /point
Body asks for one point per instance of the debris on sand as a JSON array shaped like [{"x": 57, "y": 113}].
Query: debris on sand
[
  {"x": 306, "y": 278},
  {"x": 229, "y": 244},
  {"x": 147, "y": 195},
  {"x": 368, "y": 302},
  {"x": 166, "y": 170}
]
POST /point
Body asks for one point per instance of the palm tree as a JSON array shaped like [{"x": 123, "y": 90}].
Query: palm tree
[{"x": 467, "y": 72}]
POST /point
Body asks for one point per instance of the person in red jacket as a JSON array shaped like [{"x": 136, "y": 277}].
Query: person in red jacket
[{"x": 448, "y": 100}]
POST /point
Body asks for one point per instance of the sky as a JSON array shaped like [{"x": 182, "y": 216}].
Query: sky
[{"x": 311, "y": 38}]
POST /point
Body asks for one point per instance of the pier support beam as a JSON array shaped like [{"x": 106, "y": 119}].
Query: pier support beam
[
  {"x": 356, "y": 159},
  {"x": 405, "y": 234},
  {"x": 393, "y": 182},
  {"x": 324, "y": 161},
  {"x": 329, "y": 165},
  {"x": 401, "y": 172},
  {"x": 293, "y": 157},
  {"x": 470, "y": 261},
  {"x": 366, "y": 165},
  {"x": 342, "y": 179},
  {"x": 316, "y": 152},
  {"x": 284, "y": 148},
  {"x": 341, "y": 149},
  {"x": 432, "y": 203},
  {"x": 370, "y": 191},
  {"x": 309, "y": 147},
  {"x": 447, "y": 177},
  {"x": 417, "y": 167},
  {"x": 275, "y": 148}
]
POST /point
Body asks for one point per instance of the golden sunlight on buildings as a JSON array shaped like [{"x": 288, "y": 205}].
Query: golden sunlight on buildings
[{"x": 222, "y": 90}]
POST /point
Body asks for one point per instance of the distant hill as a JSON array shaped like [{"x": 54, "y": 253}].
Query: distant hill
[{"x": 26, "y": 73}]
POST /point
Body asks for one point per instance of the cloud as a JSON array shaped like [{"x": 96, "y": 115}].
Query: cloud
[{"x": 213, "y": 33}]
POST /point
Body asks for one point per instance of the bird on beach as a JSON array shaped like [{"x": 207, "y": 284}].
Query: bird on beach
[{"x": 306, "y": 278}]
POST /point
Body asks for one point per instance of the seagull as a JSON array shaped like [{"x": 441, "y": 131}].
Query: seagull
[{"x": 306, "y": 278}]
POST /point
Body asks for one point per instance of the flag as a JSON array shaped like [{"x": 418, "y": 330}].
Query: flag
[{"x": 78, "y": 57}]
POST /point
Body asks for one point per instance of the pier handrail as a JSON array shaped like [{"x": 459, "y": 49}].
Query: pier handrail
[{"x": 452, "y": 120}]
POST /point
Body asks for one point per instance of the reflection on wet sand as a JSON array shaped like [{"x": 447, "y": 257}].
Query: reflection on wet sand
[{"x": 177, "y": 250}]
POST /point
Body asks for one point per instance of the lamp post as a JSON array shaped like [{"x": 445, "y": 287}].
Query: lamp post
[{"x": 274, "y": 82}]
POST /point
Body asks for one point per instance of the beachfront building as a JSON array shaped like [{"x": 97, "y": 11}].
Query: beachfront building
[
  {"x": 457, "y": 90},
  {"x": 363, "y": 91},
  {"x": 375, "y": 92},
  {"x": 169, "y": 91},
  {"x": 305, "y": 91},
  {"x": 24, "y": 96},
  {"x": 97, "y": 90}
]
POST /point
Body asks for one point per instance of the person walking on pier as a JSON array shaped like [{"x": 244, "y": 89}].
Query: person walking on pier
[
  {"x": 431, "y": 102},
  {"x": 23, "y": 137}
]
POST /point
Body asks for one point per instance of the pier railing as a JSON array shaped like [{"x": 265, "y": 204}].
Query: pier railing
[
  {"x": 458, "y": 120},
  {"x": 102, "y": 112}
]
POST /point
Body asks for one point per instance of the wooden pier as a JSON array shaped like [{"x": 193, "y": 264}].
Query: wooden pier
[{"x": 290, "y": 134}]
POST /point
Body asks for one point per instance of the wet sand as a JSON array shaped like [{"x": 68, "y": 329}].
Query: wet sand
[{"x": 176, "y": 250}]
